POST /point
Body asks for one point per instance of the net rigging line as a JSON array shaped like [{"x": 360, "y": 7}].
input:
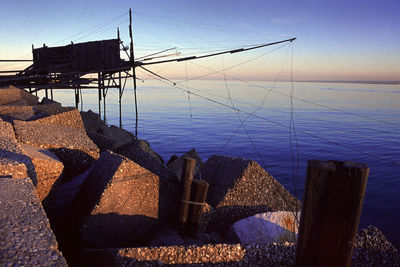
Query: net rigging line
[
  {"x": 294, "y": 97},
  {"x": 292, "y": 128},
  {"x": 391, "y": 162},
  {"x": 258, "y": 106},
  {"x": 274, "y": 182}
]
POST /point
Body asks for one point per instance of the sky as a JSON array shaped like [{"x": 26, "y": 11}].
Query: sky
[{"x": 336, "y": 39}]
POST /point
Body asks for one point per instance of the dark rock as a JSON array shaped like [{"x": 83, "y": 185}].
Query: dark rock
[
  {"x": 46, "y": 101},
  {"x": 373, "y": 249},
  {"x": 118, "y": 202},
  {"x": 92, "y": 121},
  {"x": 25, "y": 235},
  {"x": 176, "y": 165}
]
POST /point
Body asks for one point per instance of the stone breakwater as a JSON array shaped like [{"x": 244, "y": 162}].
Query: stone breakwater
[{"x": 75, "y": 190}]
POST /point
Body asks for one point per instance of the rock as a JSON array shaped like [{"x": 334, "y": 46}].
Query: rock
[
  {"x": 373, "y": 249},
  {"x": 92, "y": 121},
  {"x": 17, "y": 112},
  {"x": 176, "y": 164},
  {"x": 69, "y": 118},
  {"x": 118, "y": 202},
  {"x": 279, "y": 226},
  {"x": 48, "y": 168},
  {"x": 71, "y": 145},
  {"x": 119, "y": 136},
  {"x": 13, "y": 163},
  {"x": 46, "y": 100},
  {"x": 51, "y": 109},
  {"x": 12, "y": 94},
  {"x": 240, "y": 188},
  {"x": 103, "y": 142},
  {"x": 25, "y": 235}
]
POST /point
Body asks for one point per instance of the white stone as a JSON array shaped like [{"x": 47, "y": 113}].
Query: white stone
[{"x": 279, "y": 226}]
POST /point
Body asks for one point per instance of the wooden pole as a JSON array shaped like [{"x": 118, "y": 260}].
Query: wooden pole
[
  {"x": 187, "y": 178},
  {"x": 132, "y": 58},
  {"x": 331, "y": 211},
  {"x": 198, "y": 194},
  {"x": 99, "y": 84}
]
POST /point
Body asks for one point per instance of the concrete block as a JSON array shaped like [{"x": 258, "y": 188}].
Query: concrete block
[
  {"x": 69, "y": 118},
  {"x": 118, "y": 202},
  {"x": 240, "y": 188},
  {"x": 13, "y": 164},
  {"x": 12, "y": 94},
  {"x": 71, "y": 145},
  {"x": 48, "y": 168},
  {"x": 26, "y": 238}
]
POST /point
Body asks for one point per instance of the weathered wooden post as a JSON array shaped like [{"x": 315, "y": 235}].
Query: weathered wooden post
[
  {"x": 198, "y": 196},
  {"x": 331, "y": 211},
  {"x": 186, "y": 179}
]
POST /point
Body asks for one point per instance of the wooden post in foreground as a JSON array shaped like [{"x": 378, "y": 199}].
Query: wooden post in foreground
[
  {"x": 198, "y": 196},
  {"x": 186, "y": 179},
  {"x": 331, "y": 211}
]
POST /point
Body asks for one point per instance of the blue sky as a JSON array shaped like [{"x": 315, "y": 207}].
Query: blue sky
[{"x": 337, "y": 40}]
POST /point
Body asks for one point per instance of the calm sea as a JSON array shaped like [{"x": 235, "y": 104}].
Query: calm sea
[{"x": 339, "y": 121}]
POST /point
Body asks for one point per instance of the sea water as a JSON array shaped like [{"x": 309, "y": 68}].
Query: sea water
[{"x": 280, "y": 125}]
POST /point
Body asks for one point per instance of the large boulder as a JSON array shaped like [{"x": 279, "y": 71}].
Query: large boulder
[
  {"x": 117, "y": 203},
  {"x": 13, "y": 94},
  {"x": 13, "y": 163},
  {"x": 71, "y": 145},
  {"x": 278, "y": 226},
  {"x": 26, "y": 238},
  {"x": 48, "y": 168},
  {"x": 240, "y": 188}
]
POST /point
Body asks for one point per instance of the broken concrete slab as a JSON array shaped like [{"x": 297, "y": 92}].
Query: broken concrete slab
[
  {"x": 26, "y": 238},
  {"x": 278, "y": 226},
  {"x": 240, "y": 188},
  {"x": 118, "y": 202},
  {"x": 69, "y": 118},
  {"x": 71, "y": 145},
  {"x": 48, "y": 168},
  {"x": 12, "y": 94},
  {"x": 13, "y": 163}
]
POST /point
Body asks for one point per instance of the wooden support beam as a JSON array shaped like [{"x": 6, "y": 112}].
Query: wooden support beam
[
  {"x": 186, "y": 180},
  {"x": 198, "y": 195},
  {"x": 331, "y": 211}
]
